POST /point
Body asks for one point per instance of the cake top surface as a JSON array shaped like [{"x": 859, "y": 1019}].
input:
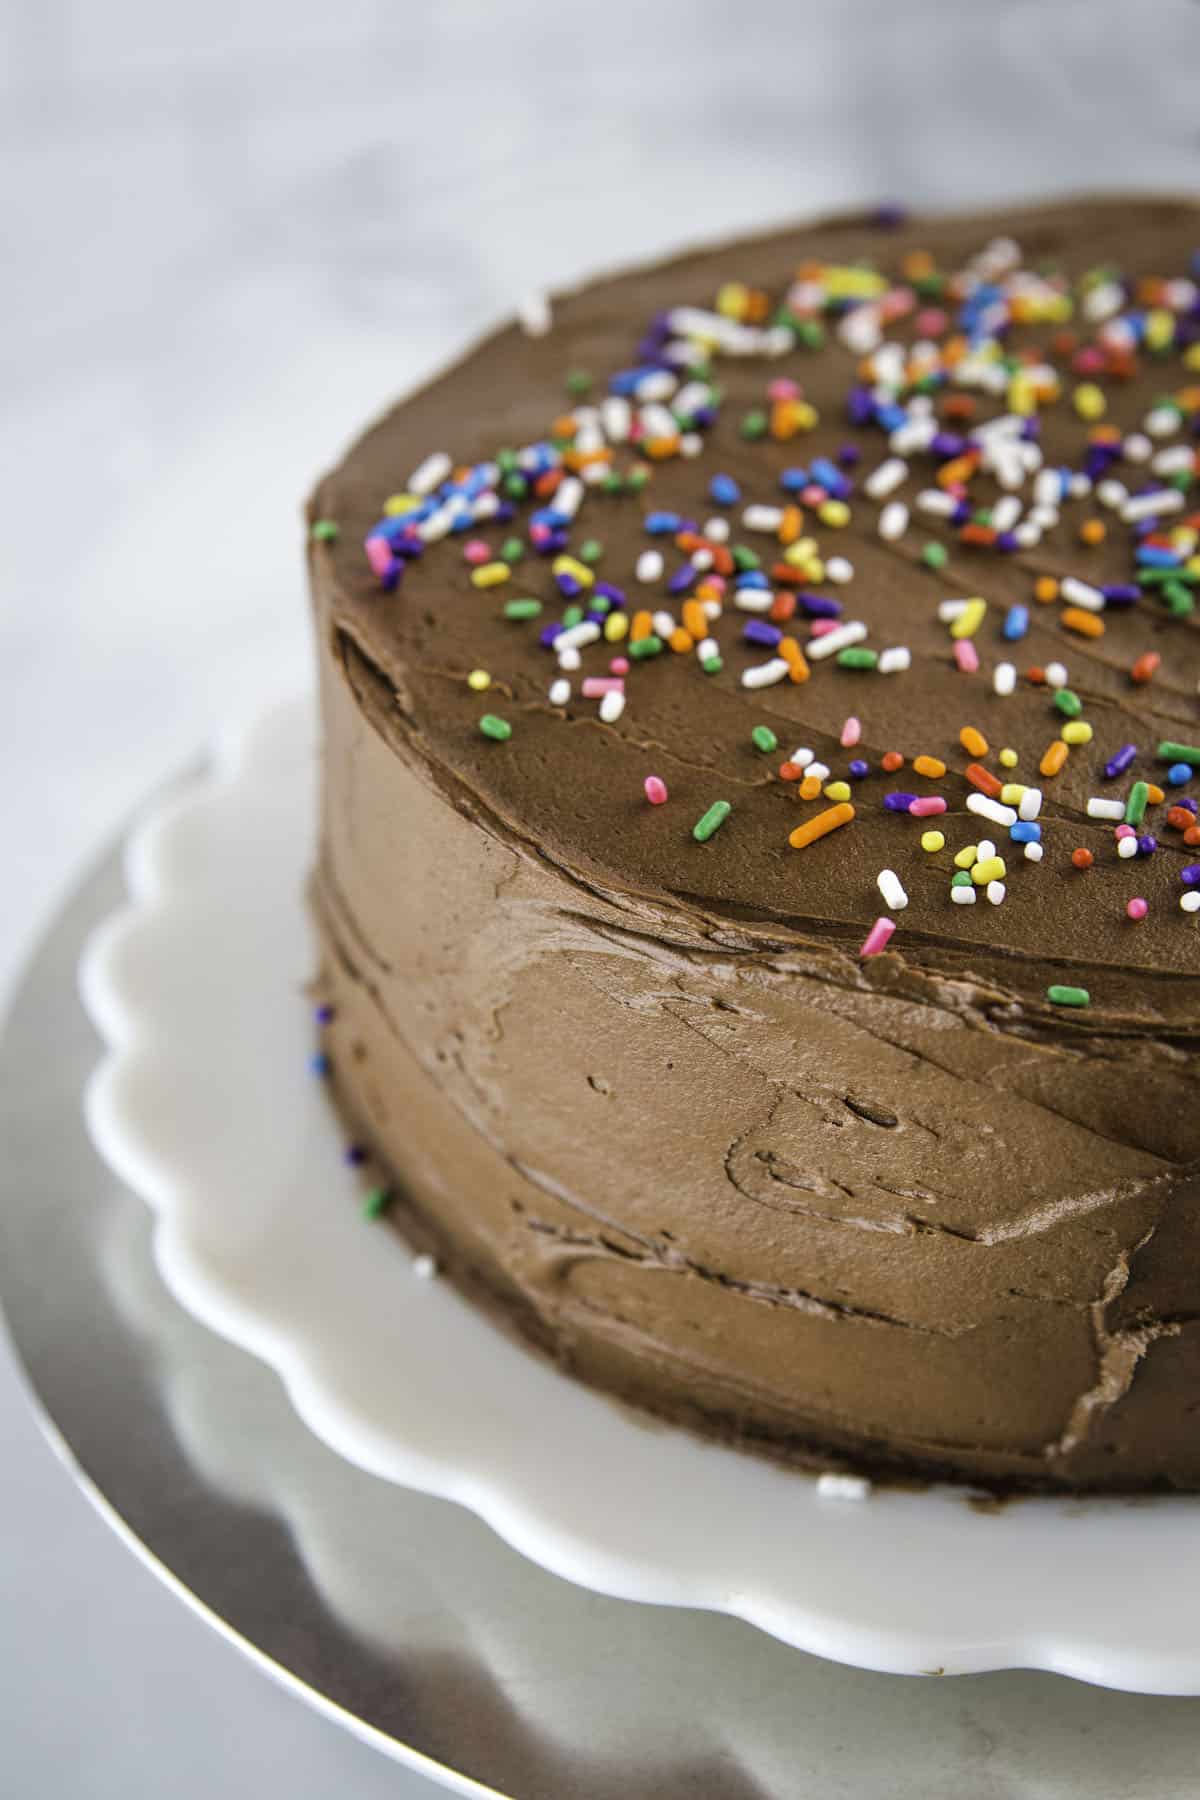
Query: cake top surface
[{"x": 807, "y": 529}]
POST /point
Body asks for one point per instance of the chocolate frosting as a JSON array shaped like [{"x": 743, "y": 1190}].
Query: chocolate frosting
[{"x": 643, "y": 1092}]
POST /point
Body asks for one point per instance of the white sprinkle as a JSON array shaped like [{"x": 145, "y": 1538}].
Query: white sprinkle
[
  {"x": 1112, "y": 493},
  {"x": 934, "y": 500},
  {"x": 1079, "y": 486},
  {"x": 1006, "y": 512},
  {"x": 1028, "y": 534},
  {"x": 569, "y": 659},
  {"x": 840, "y": 638},
  {"x": 1004, "y": 678},
  {"x": 886, "y": 478},
  {"x": 1137, "y": 448},
  {"x": 1103, "y": 300},
  {"x": 844, "y": 1487},
  {"x": 963, "y": 895},
  {"x": 534, "y": 315},
  {"x": 753, "y": 600},
  {"x": 707, "y": 647},
  {"x": 717, "y": 530},
  {"x": 818, "y": 770},
  {"x": 890, "y": 886},
  {"x": 1030, "y": 803},
  {"x": 1190, "y": 902},
  {"x": 1126, "y": 847},
  {"x": 802, "y": 757},
  {"x": 893, "y": 521},
  {"x": 892, "y": 661},
  {"x": 649, "y": 566},
  {"x": 762, "y": 518},
  {"x": 436, "y": 526},
  {"x": 765, "y": 674},
  {"x": 1174, "y": 458},
  {"x": 616, "y": 416},
  {"x": 996, "y": 891},
  {"x": 1047, "y": 488},
  {"x": 690, "y": 444},
  {"x": 839, "y": 570},
  {"x": 560, "y": 692},
  {"x": 1099, "y": 808},
  {"x": 657, "y": 422},
  {"x": 712, "y": 609},
  {"x": 486, "y": 506},
  {"x": 659, "y": 384},
  {"x": 1161, "y": 421},
  {"x": 576, "y": 637},
  {"x": 1056, "y": 674},
  {"x": 1033, "y": 853},
  {"x": 424, "y": 1267},
  {"x": 949, "y": 610},
  {"x": 567, "y": 496},
  {"x": 429, "y": 474},
  {"x": 702, "y": 560},
  {"x": 664, "y": 623},
  {"x": 987, "y": 808},
  {"x": 984, "y": 850},
  {"x": 1081, "y": 593},
  {"x": 1150, "y": 506},
  {"x": 612, "y": 706}
]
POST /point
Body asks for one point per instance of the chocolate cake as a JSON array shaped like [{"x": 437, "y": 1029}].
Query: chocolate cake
[{"x": 759, "y": 870}]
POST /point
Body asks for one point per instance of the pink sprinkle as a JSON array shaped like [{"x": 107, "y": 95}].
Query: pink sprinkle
[
  {"x": 877, "y": 938},
  {"x": 476, "y": 551},
  {"x": 1088, "y": 361},
  {"x": 966, "y": 656},
  {"x": 813, "y": 495},
  {"x": 379, "y": 555},
  {"x": 783, "y": 389},
  {"x": 1124, "y": 831},
  {"x": 931, "y": 322},
  {"x": 1137, "y": 908},
  {"x": 927, "y": 806},
  {"x": 821, "y": 627},
  {"x": 619, "y": 665},
  {"x": 716, "y": 582},
  {"x": 851, "y": 732},
  {"x": 656, "y": 790},
  {"x": 596, "y": 686}
]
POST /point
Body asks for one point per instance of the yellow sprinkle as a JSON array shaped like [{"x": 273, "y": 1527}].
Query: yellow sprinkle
[
  {"x": 615, "y": 627},
  {"x": 479, "y": 679},
  {"x": 1191, "y": 357},
  {"x": 490, "y": 575},
  {"x": 1008, "y": 757},
  {"x": 837, "y": 790},
  {"x": 1077, "y": 731},
  {"x": 933, "y": 840},
  {"x": 570, "y": 565},
  {"x": 969, "y": 619},
  {"x": 1011, "y": 792},
  {"x": 991, "y": 869},
  {"x": 398, "y": 504},
  {"x": 834, "y": 513},
  {"x": 1160, "y": 328},
  {"x": 966, "y": 857},
  {"x": 1089, "y": 401}
]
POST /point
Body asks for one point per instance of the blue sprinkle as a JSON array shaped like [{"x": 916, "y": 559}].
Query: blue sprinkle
[
  {"x": 1016, "y": 623},
  {"x": 792, "y": 480},
  {"x": 751, "y": 578},
  {"x": 1025, "y": 831},
  {"x": 724, "y": 490},
  {"x": 661, "y": 524},
  {"x": 1178, "y": 773},
  {"x": 318, "y": 1062}
]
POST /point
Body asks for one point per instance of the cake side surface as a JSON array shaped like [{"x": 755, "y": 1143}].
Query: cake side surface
[{"x": 902, "y": 1211}]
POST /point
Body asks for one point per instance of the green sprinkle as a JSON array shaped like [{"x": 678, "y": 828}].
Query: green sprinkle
[
  {"x": 376, "y": 1202},
  {"x": 637, "y": 479},
  {"x": 857, "y": 657},
  {"x": 1135, "y": 806},
  {"x": 522, "y": 609},
  {"x": 579, "y": 382},
  {"x": 1179, "y": 601},
  {"x": 935, "y": 556},
  {"x": 810, "y": 334},
  {"x": 764, "y": 739},
  {"x": 512, "y": 550},
  {"x": 572, "y": 615},
  {"x": 1067, "y": 996},
  {"x": 324, "y": 531},
  {"x": 754, "y": 423},
  {"x": 1188, "y": 753},
  {"x": 591, "y": 550},
  {"x": 515, "y": 486},
  {"x": 506, "y": 461},
  {"x": 961, "y": 879},
  {"x": 647, "y": 646},
  {"x": 494, "y": 727},
  {"x": 712, "y": 665},
  {"x": 711, "y": 821},
  {"x": 613, "y": 483},
  {"x": 745, "y": 558},
  {"x": 1068, "y": 702}
]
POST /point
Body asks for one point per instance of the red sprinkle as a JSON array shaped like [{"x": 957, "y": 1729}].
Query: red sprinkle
[
  {"x": 1083, "y": 859},
  {"x": 891, "y": 760},
  {"x": 984, "y": 780},
  {"x": 1144, "y": 668}
]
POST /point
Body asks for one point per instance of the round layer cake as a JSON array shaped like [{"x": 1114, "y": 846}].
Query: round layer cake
[{"x": 759, "y": 860}]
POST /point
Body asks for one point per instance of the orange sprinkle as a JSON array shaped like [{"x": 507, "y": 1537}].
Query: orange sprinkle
[
  {"x": 783, "y": 606},
  {"x": 960, "y": 469},
  {"x": 1087, "y": 624},
  {"x": 974, "y": 533},
  {"x": 682, "y": 641},
  {"x": 707, "y": 590},
  {"x": 1180, "y": 819},
  {"x": 658, "y": 449},
  {"x": 983, "y": 779},
  {"x": 547, "y": 482},
  {"x": 790, "y": 524},
  {"x": 790, "y": 771},
  {"x": 891, "y": 760},
  {"x": 563, "y": 426},
  {"x": 794, "y": 657},
  {"x": 1191, "y": 836},
  {"x": 959, "y": 406},
  {"x": 1144, "y": 668},
  {"x": 1154, "y": 794},
  {"x": 787, "y": 575},
  {"x": 1082, "y": 858},
  {"x": 641, "y": 626},
  {"x": 695, "y": 619},
  {"x": 1093, "y": 531},
  {"x": 810, "y": 787},
  {"x": 1045, "y": 589},
  {"x": 972, "y": 741},
  {"x": 1055, "y": 756},
  {"x": 929, "y": 766},
  {"x": 1036, "y": 675},
  {"x": 822, "y": 825}
]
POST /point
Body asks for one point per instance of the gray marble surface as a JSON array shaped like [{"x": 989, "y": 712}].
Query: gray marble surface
[{"x": 230, "y": 232}]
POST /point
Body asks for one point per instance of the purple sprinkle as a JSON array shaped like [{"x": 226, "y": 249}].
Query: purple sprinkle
[
  {"x": 568, "y": 585},
  {"x": 819, "y": 606},
  {"x": 1190, "y": 876},
  {"x": 890, "y": 215},
  {"x": 1187, "y": 800},
  {"x": 859, "y": 768},
  {"x": 1148, "y": 844},
  {"x": 860, "y": 406},
  {"x": 605, "y": 590},
  {"x": 682, "y": 579},
  {"x": 757, "y": 631},
  {"x": 961, "y": 513},
  {"x": 1007, "y": 540},
  {"x": 898, "y": 802},
  {"x": 1121, "y": 593},
  {"x": 947, "y": 444},
  {"x": 324, "y": 1015},
  {"x": 355, "y": 1155},
  {"x": 1117, "y": 765},
  {"x": 547, "y": 635},
  {"x": 848, "y": 455}
]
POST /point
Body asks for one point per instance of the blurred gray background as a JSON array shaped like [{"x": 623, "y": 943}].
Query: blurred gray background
[{"x": 229, "y": 234}]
